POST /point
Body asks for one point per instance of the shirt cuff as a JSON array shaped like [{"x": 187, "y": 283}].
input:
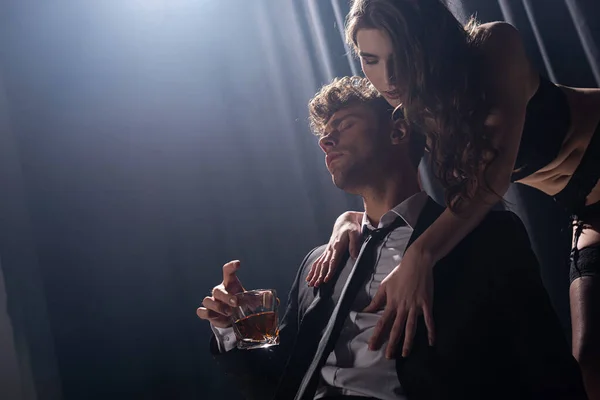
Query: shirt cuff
[{"x": 226, "y": 339}]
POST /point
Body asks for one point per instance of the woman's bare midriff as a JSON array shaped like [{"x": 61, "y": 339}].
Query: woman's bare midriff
[{"x": 585, "y": 117}]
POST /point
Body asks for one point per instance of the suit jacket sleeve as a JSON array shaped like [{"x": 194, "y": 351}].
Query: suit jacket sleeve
[
  {"x": 257, "y": 372},
  {"x": 546, "y": 367}
]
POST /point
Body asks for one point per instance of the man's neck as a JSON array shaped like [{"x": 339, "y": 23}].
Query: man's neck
[{"x": 387, "y": 194}]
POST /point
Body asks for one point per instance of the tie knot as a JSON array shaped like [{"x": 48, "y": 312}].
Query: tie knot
[{"x": 380, "y": 233}]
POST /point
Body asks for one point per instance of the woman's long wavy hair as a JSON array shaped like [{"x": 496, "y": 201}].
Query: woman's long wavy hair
[{"x": 438, "y": 60}]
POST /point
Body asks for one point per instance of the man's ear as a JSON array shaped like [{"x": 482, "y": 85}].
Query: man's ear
[{"x": 399, "y": 134}]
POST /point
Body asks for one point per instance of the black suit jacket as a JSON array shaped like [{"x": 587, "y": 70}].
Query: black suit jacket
[{"x": 497, "y": 335}]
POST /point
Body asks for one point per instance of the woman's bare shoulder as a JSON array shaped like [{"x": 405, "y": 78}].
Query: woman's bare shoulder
[
  {"x": 506, "y": 59},
  {"x": 497, "y": 32}
]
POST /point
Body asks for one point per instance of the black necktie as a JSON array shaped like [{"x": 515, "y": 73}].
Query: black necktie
[{"x": 363, "y": 267}]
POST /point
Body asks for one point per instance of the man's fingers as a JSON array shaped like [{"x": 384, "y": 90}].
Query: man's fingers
[
  {"x": 395, "y": 334},
  {"x": 229, "y": 273},
  {"x": 381, "y": 326},
  {"x": 354, "y": 245},
  {"x": 409, "y": 333},
  {"x": 215, "y": 319},
  {"x": 224, "y": 297},
  {"x": 377, "y": 302},
  {"x": 205, "y": 313},
  {"x": 219, "y": 307},
  {"x": 429, "y": 324}
]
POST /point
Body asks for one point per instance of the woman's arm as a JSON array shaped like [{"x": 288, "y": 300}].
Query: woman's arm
[
  {"x": 345, "y": 237},
  {"x": 510, "y": 82}
]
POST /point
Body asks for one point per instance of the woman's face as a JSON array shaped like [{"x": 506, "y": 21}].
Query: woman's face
[{"x": 376, "y": 59}]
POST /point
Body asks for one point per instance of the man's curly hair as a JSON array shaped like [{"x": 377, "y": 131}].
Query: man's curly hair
[
  {"x": 342, "y": 93},
  {"x": 349, "y": 91}
]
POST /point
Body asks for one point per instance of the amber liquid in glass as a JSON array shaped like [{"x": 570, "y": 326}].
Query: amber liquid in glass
[{"x": 258, "y": 327}]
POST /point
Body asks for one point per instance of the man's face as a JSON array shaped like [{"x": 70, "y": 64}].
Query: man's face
[{"x": 357, "y": 146}]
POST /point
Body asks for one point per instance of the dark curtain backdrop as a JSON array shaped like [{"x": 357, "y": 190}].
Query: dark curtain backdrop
[{"x": 147, "y": 142}]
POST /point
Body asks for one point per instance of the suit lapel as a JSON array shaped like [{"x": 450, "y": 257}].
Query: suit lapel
[
  {"x": 312, "y": 324},
  {"x": 327, "y": 291}
]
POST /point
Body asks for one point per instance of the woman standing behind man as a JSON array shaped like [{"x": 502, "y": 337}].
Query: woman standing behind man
[{"x": 490, "y": 119}]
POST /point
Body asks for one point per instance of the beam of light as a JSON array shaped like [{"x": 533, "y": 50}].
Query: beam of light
[
  {"x": 152, "y": 5},
  {"x": 268, "y": 32},
  {"x": 458, "y": 10},
  {"x": 507, "y": 12},
  {"x": 277, "y": 72},
  {"x": 318, "y": 34},
  {"x": 160, "y": 8},
  {"x": 339, "y": 20},
  {"x": 587, "y": 41},
  {"x": 538, "y": 39}
]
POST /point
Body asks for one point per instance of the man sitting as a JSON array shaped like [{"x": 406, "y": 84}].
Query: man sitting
[{"x": 497, "y": 336}]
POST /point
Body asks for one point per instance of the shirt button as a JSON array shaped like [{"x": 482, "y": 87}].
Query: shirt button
[{"x": 227, "y": 338}]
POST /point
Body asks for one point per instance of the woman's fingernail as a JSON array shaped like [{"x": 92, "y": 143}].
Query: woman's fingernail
[{"x": 233, "y": 301}]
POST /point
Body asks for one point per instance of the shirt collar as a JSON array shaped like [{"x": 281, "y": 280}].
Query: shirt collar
[{"x": 409, "y": 210}]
